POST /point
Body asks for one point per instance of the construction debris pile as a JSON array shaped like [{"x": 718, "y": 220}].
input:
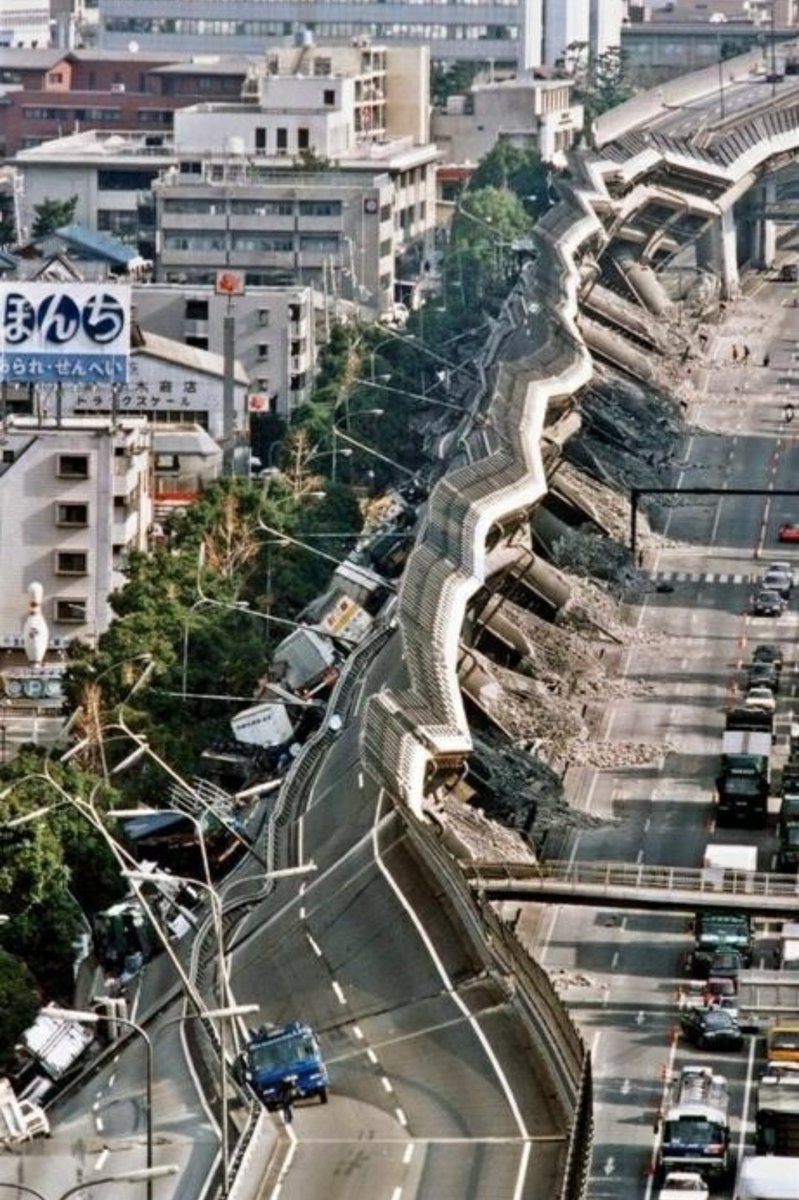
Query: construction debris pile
[{"x": 629, "y": 437}]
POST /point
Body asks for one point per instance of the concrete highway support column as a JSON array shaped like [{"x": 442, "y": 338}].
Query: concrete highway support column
[
  {"x": 766, "y": 230},
  {"x": 717, "y": 251}
]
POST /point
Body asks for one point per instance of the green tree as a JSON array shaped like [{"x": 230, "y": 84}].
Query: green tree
[
  {"x": 51, "y": 215},
  {"x": 19, "y": 1003},
  {"x": 8, "y": 222},
  {"x": 53, "y": 866},
  {"x": 517, "y": 169},
  {"x": 452, "y": 79}
]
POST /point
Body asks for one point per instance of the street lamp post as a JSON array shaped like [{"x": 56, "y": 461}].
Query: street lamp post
[
  {"x": 345, "y": 437},
  {"x": 203, "y": 601},
  {"x": 363, "y": 412},
  {"x": 122, "y": 857},
  {"x": 120, "y": 1177},
  {"x": 157, "y": 877},
  {"x": 384, "y": 387},
  {"x": 93, "y": 1018}
]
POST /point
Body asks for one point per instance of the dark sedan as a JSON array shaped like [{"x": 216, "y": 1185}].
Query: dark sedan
[
  {"x": 711, "y": 1029},
  {"x": 768, "y": 604}
]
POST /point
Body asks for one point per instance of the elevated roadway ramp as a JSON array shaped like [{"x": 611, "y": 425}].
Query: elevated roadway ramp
[{"x": 637, "y": 886}]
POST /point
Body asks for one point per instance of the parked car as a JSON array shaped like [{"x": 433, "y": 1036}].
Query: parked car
[
  {"x": 761, "y": 698},
  {"x": 763, "y": 674},
  {"x": 777, "y": 581},
  {"x": 768, "y": 604},
  {"x": 789, "y": 532},
  {"x": 711, "y": 1029},
  {"x": 768, "y": 652},
  {"x": 789, "y": 273}
]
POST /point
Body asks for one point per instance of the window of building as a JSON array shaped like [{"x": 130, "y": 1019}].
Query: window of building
[
  {"x": 71, "y": 562},
  {"x": 263, "y": 352},
  {"x": 55, "y": 77},
  {"x": 198, "y": 342},
  {"x": 262, "y": 383},
  {"x": 329, "y": 97},
  {"x": 72, "y": 466},
  {"x": 167, "y": 462},
  {"x": 260, "y": 138},
  {"x": 263, "y": 317},
  {"x": 196, "y": 310},
  {"x": 282, "y": 139},
  {"x": 319, "y": 243},
  {"x": 303, "y": 138},
  {"x": 72, "y": 514},
  {"x": 320, "y": 208},
  {"x": 8, "y": 456},
  {"x": 70, "y": 611}
]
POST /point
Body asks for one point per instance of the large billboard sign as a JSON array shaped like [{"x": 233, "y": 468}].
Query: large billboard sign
[{"x": 64, "y": 332}]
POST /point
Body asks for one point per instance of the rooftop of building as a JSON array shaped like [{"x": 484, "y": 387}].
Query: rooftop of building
[{"x": 189, "y": 357}]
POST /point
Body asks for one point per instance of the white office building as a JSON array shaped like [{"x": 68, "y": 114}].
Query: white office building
[
  {"x": 565, "y": 22},
  {"x": 75, "y": 497},
  {"x": 488, "y": 30},
  {"x": 25, "y": 23}
]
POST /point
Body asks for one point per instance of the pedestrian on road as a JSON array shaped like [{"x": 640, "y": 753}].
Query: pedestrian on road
[
  {"x": 766, "y": 359},
  {"x": 788, "y": 411},
  {"x": 286, "y": 1098},
  {"x": 746, "y": 355},
  {"x": 734, "y": 353}
]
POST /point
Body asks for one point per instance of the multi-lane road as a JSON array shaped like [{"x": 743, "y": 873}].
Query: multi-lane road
[{"x": 622, "y": 973}]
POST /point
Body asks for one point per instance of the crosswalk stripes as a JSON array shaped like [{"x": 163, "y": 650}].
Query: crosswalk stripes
[{"x": 701, "y": 577}]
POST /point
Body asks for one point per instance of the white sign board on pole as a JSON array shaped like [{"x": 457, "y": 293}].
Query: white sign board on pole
[{"x": 64, "y": 332}]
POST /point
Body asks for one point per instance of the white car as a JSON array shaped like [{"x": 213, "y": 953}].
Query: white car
[
  {"x": 785, "y": 567},
  {"x": 777, "y": 581},
  {"x": 683, "y": 1185},
  {"x": 760, "y": 698}
]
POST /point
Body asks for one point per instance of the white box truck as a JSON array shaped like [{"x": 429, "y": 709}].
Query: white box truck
[
  {"x": 768, "y": 1177},
  {"x": 724, "y": 865}
]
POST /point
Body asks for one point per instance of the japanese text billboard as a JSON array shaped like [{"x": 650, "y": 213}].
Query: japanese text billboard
[{"x": 67, "y": 332}]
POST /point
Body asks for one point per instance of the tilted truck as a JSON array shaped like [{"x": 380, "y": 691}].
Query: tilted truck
[
  {"x": 743, "y": 782},
  {"x": 719, "y": 929},
  {"x": 777, "y": 1111},
  {"x": 764, "y": 1177},
  {"x": 283, "y": 1056},
  {"x": 695, "y": 1134},
  {"x": 20, "y": 1120}
]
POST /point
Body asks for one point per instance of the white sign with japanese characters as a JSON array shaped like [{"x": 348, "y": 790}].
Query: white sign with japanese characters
[{"x": 64, "y": 332}]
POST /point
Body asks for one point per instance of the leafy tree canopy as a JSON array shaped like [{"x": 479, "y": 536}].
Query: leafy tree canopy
[{"x": 51, "y": 215}]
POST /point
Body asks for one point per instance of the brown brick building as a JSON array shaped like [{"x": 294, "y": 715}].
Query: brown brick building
[{"x": 46, "y": 94}]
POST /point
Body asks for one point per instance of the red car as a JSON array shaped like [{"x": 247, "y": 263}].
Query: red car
[{"x": 789, "y": 532}]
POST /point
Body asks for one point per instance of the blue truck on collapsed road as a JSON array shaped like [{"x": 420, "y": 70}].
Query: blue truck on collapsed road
[{"x": 283, "y": 1060}]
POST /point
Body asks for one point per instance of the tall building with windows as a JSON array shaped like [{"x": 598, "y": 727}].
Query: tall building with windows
[
  {"x": 25, "y": 23},
  {"x": 482, "y": 30}
]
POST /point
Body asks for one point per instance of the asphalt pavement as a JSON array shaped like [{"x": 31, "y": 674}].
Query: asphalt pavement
[{"x": 621, "y": 974}]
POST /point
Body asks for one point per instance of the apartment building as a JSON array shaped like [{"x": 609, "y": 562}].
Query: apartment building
[
  {"x": 76, "y": 499},
  {"x": 45, "y": 94},
  {"x": 274, "y": 334},
  {"x": 531, "y": 113}
]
